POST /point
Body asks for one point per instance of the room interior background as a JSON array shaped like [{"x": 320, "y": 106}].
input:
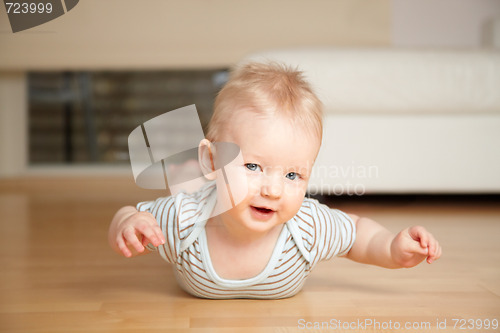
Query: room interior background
[{"x": 71, "y": 90}]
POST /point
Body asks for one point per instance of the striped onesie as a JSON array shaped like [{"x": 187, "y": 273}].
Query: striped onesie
[{"x": 315, "y": 233}]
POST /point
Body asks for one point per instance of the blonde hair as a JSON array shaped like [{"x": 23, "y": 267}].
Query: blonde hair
[{"x": 270, "y": 89}]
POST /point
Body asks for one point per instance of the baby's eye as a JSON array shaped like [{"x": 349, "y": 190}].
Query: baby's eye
[
  {"x": 292, "y": 175},
  {"x": 252, "y": 166}
]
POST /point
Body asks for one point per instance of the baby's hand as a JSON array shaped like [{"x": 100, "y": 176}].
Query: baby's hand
[
  {"x": 134, "y": 230},
  {"x": 412, "y": 245}
]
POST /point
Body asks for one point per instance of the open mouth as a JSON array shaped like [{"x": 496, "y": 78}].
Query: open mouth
[
  {"x": 262, "y": 213},
  {"x": 263, "y": 210}
]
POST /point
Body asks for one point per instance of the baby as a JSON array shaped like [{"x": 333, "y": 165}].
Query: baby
[{"x": 267, "y": 243}]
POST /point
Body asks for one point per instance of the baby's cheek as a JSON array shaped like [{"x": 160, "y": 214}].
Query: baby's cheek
[
  {"x": 296, "y": 191},
  {"x": 238, "y": 183},
  {"x": 251, "y": 184},
  {"x": 293, "y": 200}
]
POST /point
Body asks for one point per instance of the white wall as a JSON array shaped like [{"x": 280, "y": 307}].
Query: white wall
[
  {"x": 13, "y": 123},
  {"x": 127, "y": 34},
  {"x": 442, "y": 23}
]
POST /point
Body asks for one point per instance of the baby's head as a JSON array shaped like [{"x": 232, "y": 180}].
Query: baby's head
[
  {"x": 270, "y": 112},
  {"x": 268, "y": 90}
]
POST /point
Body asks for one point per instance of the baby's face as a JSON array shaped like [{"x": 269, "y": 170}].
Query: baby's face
[{"x": 277, "y": 160}]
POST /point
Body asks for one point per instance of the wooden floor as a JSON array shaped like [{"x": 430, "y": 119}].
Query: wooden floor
[{"x": 59, "y": 275}]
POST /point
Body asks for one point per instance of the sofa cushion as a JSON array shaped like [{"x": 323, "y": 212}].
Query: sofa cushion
[{"x": 398, "y": 80}]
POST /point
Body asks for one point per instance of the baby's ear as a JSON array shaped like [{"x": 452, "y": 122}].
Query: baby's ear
[{"x": 206, "y": 157}]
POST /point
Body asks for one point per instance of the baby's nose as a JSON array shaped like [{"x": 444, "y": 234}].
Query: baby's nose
[{"x": 272, "y": 187}]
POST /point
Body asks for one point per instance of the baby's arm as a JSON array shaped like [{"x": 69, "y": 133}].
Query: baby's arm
[
  {"x": 130, "y": 231},
  {"x": 376, "y": 245}
]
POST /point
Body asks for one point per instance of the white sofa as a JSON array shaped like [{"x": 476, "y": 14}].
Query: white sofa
[{"x": 404, "y": 121}]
